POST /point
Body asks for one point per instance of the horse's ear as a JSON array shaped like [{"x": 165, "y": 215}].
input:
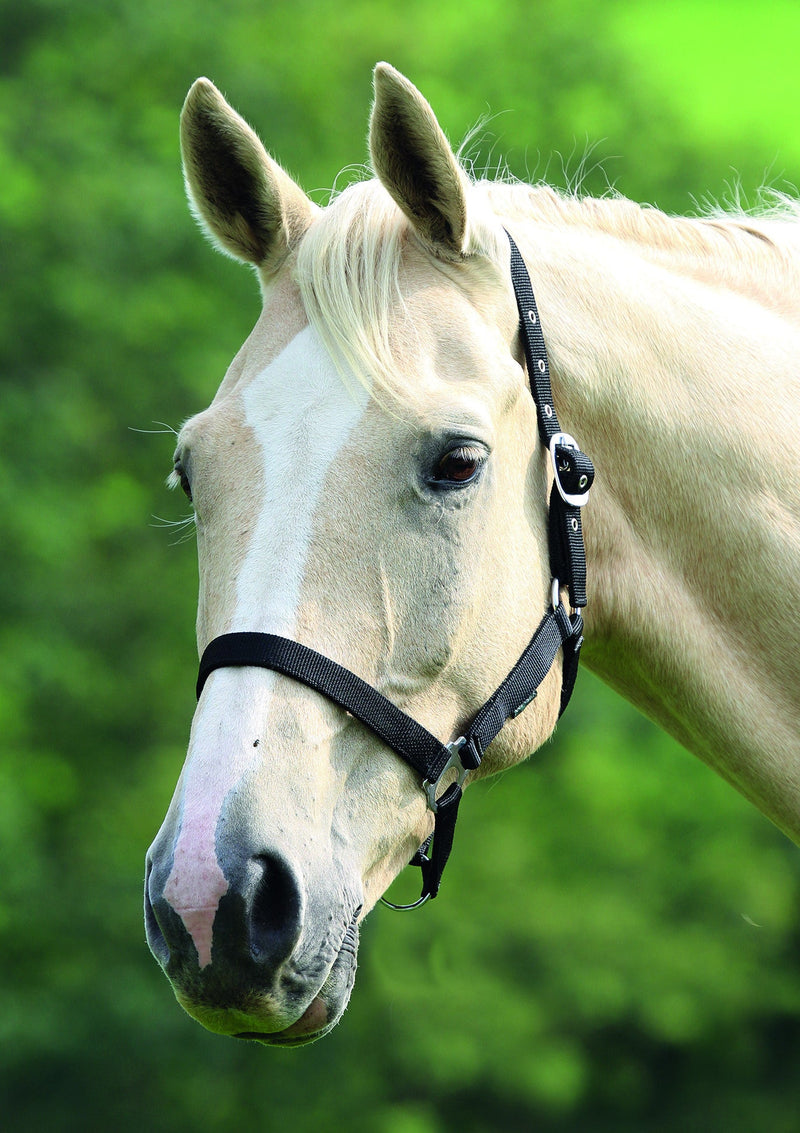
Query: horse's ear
[
  {"x": 247, "y": 204},
  {"x": 415, "y": 163}
]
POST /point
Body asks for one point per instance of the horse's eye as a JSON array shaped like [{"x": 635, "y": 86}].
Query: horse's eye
[
  {"x": 179, "y": 477},
  {"x": 459, "y": 466}
]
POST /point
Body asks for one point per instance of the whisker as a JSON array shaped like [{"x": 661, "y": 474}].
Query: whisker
[
  {"x": 185, "y": 524},
  {"x": 161, "y": 521},
  {"x": 165, "y": 428}
]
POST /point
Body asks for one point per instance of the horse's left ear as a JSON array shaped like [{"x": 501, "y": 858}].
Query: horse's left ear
[{"x": 415, "y": 163}]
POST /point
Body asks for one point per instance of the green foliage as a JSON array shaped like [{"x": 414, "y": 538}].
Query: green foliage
[{"x": 616, "y": 946}]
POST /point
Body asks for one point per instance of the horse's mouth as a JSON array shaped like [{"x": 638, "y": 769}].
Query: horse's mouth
[
  {"x": 328, "y": 1005},
  {"x": 312, "y": 1025}
]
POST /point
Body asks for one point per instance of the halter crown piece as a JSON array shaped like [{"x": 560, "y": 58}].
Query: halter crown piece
[{"x": 573, "y": 474}]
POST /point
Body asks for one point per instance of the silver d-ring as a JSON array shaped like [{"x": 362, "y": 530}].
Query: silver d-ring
[
  {"x": 404, "y": 908},
  {"x": 555, "y": 594}
]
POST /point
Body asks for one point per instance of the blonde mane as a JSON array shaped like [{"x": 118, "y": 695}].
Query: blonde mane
[
  {"x": 350, "y": 263},
  {"x": 349, "y": 273}
]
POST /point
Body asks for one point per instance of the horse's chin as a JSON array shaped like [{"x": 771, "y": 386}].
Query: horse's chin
[
  {"x": 319, "y": 1017},
  {"x": 315, "y": 1022}
]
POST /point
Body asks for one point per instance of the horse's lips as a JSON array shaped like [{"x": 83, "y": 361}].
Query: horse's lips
[
  {"x": 327, "y": 1007},
  {"x": 308, "y": 1027}
]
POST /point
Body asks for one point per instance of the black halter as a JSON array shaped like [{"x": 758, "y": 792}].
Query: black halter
[{"x": 430, "y": 758}]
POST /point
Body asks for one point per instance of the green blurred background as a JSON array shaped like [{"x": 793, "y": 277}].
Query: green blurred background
[{"x": 617, "y": 944}]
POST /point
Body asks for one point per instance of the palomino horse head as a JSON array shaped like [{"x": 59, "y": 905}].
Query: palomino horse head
[{"x": 368, "y": 482}]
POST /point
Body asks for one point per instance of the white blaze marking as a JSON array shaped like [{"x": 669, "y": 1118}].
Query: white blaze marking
[{"x": 301, "y": 416}]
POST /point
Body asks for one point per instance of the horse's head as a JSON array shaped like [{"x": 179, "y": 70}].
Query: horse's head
[{"x": 368, "y": 481}]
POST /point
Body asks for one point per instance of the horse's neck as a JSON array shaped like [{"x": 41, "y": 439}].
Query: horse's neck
[{"x": 684, "y": 391}]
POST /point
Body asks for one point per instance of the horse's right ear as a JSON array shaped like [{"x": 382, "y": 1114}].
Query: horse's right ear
[
  {"x": 249, "y": 207},
  {"x": 416, "y": 165}
]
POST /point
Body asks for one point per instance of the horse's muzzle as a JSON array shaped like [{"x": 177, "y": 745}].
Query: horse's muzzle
[{"x": 256, "y": 962}]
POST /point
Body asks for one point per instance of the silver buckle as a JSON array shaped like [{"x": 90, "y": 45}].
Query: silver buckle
[
  {"x": 454, "y": 761},
  {"x": 574, "y": 499}
]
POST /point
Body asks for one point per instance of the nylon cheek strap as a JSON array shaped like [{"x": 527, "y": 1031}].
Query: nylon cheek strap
[{"x": 431, "y": 759}]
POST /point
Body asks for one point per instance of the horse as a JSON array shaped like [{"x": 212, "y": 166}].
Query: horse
[{"x": 370, "y": 483}]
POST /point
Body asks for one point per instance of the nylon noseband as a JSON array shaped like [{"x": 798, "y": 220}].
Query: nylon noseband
[{"x": 431, "y": 759}]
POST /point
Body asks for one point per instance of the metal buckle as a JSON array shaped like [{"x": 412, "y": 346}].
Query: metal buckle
[
  {"x": 574, "y": 499},
  {"x": 454, "y": 761}
]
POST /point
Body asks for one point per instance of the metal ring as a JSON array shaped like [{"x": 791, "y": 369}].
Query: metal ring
[
  {"x": 404, "y": 908},
  {"x": 555, "y": 594}
]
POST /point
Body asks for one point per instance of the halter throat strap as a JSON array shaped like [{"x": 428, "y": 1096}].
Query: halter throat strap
[{"x": 431, "y": 759}]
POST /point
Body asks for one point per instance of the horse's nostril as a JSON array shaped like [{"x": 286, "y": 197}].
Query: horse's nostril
[
  {"x": 155, "y": 937},
  {"x": 276, "y": 909}
]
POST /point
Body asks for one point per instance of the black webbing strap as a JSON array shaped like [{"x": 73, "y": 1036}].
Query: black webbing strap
[
  {"x": 535, "y": 350},
  {"x": 432, "y": 856},
  {"x": 413, "y": 743},
  {"x": 410, "y": 740},
  {"x": 431, "y": 759},
  {"x": 522, "y": 683},
  {"x": 570, "y": 659},
  {"x": 572, "y": 469}
]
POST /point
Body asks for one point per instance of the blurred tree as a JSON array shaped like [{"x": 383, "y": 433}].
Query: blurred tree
[{"x": 617, "y": 943}]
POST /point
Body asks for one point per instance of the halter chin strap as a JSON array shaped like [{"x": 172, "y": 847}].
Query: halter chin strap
[{"x": 428, "y": 756}]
